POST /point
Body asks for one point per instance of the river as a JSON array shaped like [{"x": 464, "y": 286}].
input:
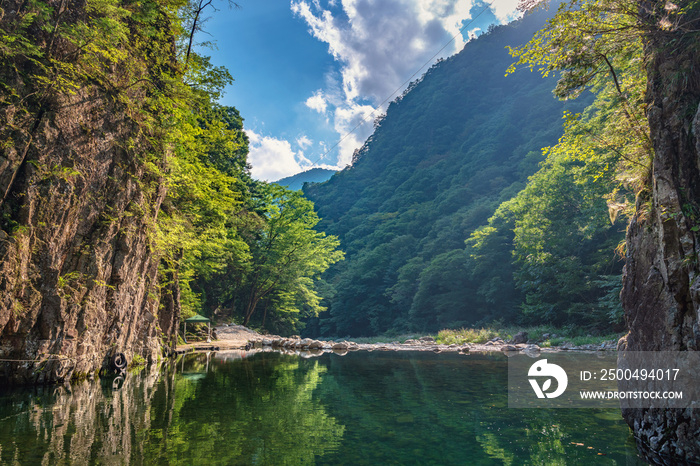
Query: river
[{"x": 276, "y": 409}]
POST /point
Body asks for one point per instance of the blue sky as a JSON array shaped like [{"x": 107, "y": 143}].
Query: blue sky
[{"x": 308, "y": 71}]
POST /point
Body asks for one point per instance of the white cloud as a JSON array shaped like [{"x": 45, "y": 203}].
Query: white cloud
[
  {"x": 505, "y": 10},
  {"x": 317, "y": 102},
  {"x": 304, "y": 142},
  {"x": 379, "y": 45},
  {"x": 353, "y": 123},
  {"x": 270, "y": 158}
]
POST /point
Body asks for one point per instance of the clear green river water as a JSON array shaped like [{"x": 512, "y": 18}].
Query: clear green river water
[{"x": 364, "y": 408}]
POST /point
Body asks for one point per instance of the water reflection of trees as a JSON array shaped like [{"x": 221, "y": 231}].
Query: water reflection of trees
[
  {"x": 452, "y": 409},
  {"x": 283, "y": 409},
  {"x": 250, "y": 412},
  {"x": 202, "y": 412}
]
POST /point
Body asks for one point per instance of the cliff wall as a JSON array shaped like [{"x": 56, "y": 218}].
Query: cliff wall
[
  {"x": 79, "y": 185},
  {"x": 661, "y": 293}
]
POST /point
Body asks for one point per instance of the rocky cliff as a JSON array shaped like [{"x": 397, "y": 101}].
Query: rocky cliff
[
  {"x": 661, "y": 294},
  {"x": 79, "y": 185}
]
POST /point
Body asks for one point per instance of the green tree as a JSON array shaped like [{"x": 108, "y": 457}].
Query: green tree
[
  {"x": 562, "y": 230},
  {"x": 287, "y": 253},
  {"x": 597, "y": 45},
  {"x": 206, "y": 176},
  {"x": 490, "y": 251},
  {"x": 232, "y": 246}
]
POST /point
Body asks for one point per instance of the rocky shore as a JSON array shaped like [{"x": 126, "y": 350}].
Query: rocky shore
[{"x": 239, "y": 337}]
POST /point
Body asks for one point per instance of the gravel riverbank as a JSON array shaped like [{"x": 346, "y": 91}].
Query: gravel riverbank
[{"x": 239, "y": 337}]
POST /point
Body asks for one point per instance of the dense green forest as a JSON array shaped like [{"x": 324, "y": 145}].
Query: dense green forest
[
  {"x": 467, "y": 205},
  {"x": 486, "y": 194},
  {"x": 470, "y": 203}
]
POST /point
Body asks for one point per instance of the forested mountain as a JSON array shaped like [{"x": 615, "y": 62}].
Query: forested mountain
[
  {"x": 454, "y": 147},
  {"x": 314, "y": 175}
]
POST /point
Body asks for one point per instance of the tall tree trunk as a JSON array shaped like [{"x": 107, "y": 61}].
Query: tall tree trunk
[
  {"x": 661, "y": 293},
  {"x": 250, "y": 309},
  {"x": 267, "y": 303}
]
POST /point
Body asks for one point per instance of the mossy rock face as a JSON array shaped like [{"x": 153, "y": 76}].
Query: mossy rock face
[
  {"x": 661, "y": 293},
  {"x": 78, "y": 273}
]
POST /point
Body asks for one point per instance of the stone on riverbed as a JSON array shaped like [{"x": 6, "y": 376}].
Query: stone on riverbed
[
  {"x": 315, "y": 344},
  {"x": 532, "y": 348},
  {"x": 305, "y": 342},
  {"x": 520, "y": 337}
]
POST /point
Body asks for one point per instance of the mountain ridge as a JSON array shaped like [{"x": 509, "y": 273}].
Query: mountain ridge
[
  {"x": 312, "y": 175},
  {"x": 461, "y": 141}
]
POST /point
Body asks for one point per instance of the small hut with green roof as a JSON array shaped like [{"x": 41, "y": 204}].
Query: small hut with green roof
[{"x": 197, "y": 319}]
